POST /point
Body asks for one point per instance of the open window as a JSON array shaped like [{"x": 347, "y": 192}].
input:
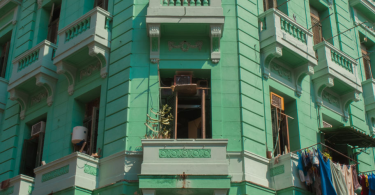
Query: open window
[
  {"x": 366, "y": 62},
  {"x": 101, "y": 3},
  {"x": 53, "y": 24},
  {"x": 280, "y": 130},
  {"x": 316, "y": 26},
  {"x": 190, "y": 99},
  {"x": 32, "y": 150},
  {"x": 90, "y": 120},
  {"x": 4, "y": 55},
  {"x": 268, "y": 4}
]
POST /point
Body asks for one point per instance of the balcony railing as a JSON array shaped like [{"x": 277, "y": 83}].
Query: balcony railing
[
  {"x": 90, "y": 32},
  {"x": 366, "y": 7},
  {"x": 336, "y": 65},
  {"x": 280, "y": 38},
  {"x": 196, "y": 3},
  {"x": 37, "y": 64}
]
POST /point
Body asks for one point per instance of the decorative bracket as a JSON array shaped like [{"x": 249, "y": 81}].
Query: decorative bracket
[
  {"x": 154, "y": 34},
  {"x": 21, "y": 98},
  {"x": 346, "y": 100},
  {"x": 319, "y": 85},
  {"x": 49, "y": 84},
  {"x": 70, "y": 73},
  {"x": 269, "y": 53},
  {"x": 301, "y": 73},
  {"x": 215, "y": 35},
  {"x": 102, "y": 53}
]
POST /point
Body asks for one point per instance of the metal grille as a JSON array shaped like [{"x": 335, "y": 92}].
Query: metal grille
[
  {"x": 276, "y": 101},
  {"x": 38, "y": 128}
]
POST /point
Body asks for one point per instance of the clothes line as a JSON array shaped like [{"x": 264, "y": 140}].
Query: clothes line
[
  {"x": 330, "y": 149},
  {"x": 367, "y": 171}
]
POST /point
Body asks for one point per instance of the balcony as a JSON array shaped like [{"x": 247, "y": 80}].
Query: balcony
[
  {"x": 7, "y": 5},
  {"x": 185, "y": 17},
  {"x": 286, "y": 48},
  {"x": 76, "y": 169},
  {"x": 336, "y": 81},
  {"x": 184, "y": 165},
  {"x": 285, "y": 173},
  {"x": 21, "y": 184},
  {"x": 365, "y": 7},
  {"x": 3, "y": 93},
  {"x": 369, "y": 99},
  {"x": 31, "y": 70},
  {"x": 84, "y": 42}
]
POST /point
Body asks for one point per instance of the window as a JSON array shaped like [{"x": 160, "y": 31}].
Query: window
[
  {"x": 268, "y": 4},
  {"x": 316, "y": 26},
  {"x": 53, "y": 24},
  {"x": 190, "y": 100},
  {"x": 4, "y": 58},
  {"x": 366, "y": 62},
  {"x": 280, "y": 131},
  {"x": 32, "y": 150},
  {"x": 90, "y": 121},
  {"x": 101, "y": 3}
]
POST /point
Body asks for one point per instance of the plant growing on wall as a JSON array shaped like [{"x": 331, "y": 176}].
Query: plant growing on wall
[{"x": 158, "y": 125}]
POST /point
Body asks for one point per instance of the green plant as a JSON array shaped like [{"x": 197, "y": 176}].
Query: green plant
[{"x": 159, "y": 124}]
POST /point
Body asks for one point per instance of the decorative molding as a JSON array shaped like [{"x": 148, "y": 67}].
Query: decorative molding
[
  {"x": 277, "y": 170},
  {"x": 38, "y": 98},
  {"x": 154, "y": 34},
  {"x": 274, "y": 50},
  {"x": 55, "y": 173},
  {"x": 69, "y": 71},
  {"x": 301, "y": 73},
  {"x": 49, "y": 84},
  {"x": 90, "y": 170},
  {"x": 85, "y": 72},
  {"x": 102, "y": 53},
  {"x": 40, "y": 3},
  {"x": 319, "y": 85},
  {"x": 21, "y": 98},
  {"x": 215, "y": 35},
  {"x": 281, "y": 71},
  {"x": 184, "y": 153},
  {"x": 331, "y": 99},
  {"x": 7, "y": 191},
  {"x": 184, "y": 46},
  {"x": 346, "y": 100}
]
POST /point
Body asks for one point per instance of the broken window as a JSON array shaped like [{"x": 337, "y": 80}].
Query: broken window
[
  {"x": 4, "y": 58},
  {"x": 190, "y": 100},
  {"x": 316, "y": 26},
  {"x": 90, "y": 121},
  {"x": 101, "y": 3},
  {"x": 53, "y": 24},
  {"x": 280, "y": 129},
  {"x": 366, "y": 62},
  {"x": 32, "y": 150}
]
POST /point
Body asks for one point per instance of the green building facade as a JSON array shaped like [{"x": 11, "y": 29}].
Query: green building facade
[{"x": 245, "y": 80}]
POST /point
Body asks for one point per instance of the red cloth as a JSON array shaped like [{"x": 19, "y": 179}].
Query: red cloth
[{"x": 363, "y": 184}]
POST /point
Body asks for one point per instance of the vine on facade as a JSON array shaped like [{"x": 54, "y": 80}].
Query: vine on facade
[{"x": 158, "y": 125}]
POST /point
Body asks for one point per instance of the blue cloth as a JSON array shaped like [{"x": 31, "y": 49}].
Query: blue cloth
[
  {"x": 325, "y": 176},
  {"x": 371, "y": 182},
  {"x": 301, "y": 171}
]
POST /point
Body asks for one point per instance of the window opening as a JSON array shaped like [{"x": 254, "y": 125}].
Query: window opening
[
  {"x": 4, "y": 58},
  {"x": 268, "y": 4},
  {"x": 32, "y": 150},
  {"x": 366, "y": 62},
  {"x": 280, "y": 129},
  {"x": 102, "y": 3},
  {"x": 190, "y": 100},
  {"x": 316, "y": 26},
  {"x": 90, "y": 121},
  {"x": 53, "y": 25}
]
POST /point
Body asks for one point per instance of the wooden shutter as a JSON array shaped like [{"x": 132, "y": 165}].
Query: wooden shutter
[
  {"x": 39, "y": 155},
  {"x": 366, "y": 62},
  {"x": 3, "y": 64},
  {"x": 94, "y": 130},
  {"x": 316, "y": 26},
  {"x": 28, "y": 159}
]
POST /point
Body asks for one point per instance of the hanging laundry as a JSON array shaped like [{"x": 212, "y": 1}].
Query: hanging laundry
[
  {"x": 318, "y": 185},
  {"x": 326, "y": 176},
  {"x": 356, "y": 184},
  {"x": 338, "y": 179},
  {"x": 364, "y": 185},
  {"x": 371, "y": 181},
  {"x": 348, "y": 178},
  {"x": 300, "y": 168}
]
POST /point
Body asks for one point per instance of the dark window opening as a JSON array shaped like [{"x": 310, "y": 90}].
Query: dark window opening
[
  {"x": 53, "y": 24},
  {"x": 32, "y": 150},
  {"x": 101, "y": 3},
  {"x": 4, "y": 55},
  {"x": 190, "y": 100},
  {"x": 268, "y": 4},
  {"x": 316, "y": 26},
  {"x": 366, "y": 62},
  {"x": 90, "y": 121}
]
